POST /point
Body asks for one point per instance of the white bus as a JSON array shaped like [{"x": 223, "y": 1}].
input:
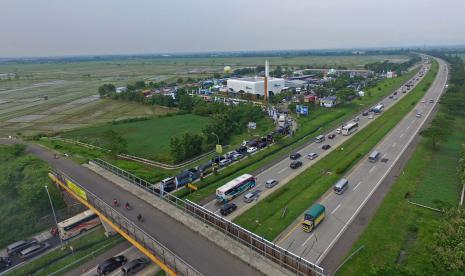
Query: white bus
[
  {"x": 349, "y": 128},
  {"x": 234, "y": 188},
  {"x": 78, "y": 224}
]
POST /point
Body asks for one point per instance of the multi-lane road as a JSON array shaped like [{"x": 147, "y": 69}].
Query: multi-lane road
[
  {"x": 283, "y": 173},
  {"x": 364, "y": 179}
]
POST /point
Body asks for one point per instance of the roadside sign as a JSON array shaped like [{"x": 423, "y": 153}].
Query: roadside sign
[{"x": 219, "y": 149}]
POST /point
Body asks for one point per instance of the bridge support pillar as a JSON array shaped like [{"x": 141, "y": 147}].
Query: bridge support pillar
[{"x": 109, "y": 231}]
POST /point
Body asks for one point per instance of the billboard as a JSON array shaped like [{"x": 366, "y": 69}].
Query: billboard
[{"x": 301, "y": 109}]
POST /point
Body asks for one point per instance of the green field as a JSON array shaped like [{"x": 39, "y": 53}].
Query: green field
[
  {"x": 310, "y": 185},
  {"x": 71, "y": 87},
  {"x": 148, "y": 138},
  {"x": 320, "y": 120}
]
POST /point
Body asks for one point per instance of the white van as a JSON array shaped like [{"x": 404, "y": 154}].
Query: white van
[
  {"x": 374, "y": 156},
  {"x": 341, "y": 186},
  {"x": 320, "y": 138}
]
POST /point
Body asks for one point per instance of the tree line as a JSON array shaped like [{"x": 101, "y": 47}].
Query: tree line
[{"x": 379, "y": 67}]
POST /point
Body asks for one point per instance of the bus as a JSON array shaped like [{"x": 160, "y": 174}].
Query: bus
[
  {"x": 77, "y": 224},
  {"x": 235, "y": 187},
  {"x": 349, "y": 128}
]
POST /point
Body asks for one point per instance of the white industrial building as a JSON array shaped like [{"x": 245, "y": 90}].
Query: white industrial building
[{"x": 255, "y": 85}]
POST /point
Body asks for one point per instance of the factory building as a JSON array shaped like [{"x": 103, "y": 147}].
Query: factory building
[{"x": 255, "y": 85}]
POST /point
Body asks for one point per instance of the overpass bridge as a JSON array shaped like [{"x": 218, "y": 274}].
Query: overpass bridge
[{"x": 175, "y": 248}]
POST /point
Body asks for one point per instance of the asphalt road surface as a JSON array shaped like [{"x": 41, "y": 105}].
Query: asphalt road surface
[
  {"x": 364, "y": 179},
  {"x": 283, "y": 173},
  {"x": 203, "y": 255}
]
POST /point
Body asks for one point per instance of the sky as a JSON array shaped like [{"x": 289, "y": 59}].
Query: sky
[{"x": 98, "y": 27}]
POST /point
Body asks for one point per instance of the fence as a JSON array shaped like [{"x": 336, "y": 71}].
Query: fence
[
  {"x": 264, "y": 247},
  {"x": 148, "y": 242}
]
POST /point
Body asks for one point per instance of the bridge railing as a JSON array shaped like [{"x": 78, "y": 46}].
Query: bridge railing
[
  {"x": 166, "y": 256},
  {"x": 264, "y": 247}
]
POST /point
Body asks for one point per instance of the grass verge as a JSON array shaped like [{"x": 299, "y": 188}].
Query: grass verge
[{"x": 306, "y": 188}]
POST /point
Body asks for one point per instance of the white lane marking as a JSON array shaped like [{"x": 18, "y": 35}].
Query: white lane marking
[
  {"x": 282, "y": 170},
  {"x": 356, "y": 186},
  {"x": 402, "y": 135},
  {"x": 408, "y": 127},
  {"x": 305, "y": 242},
  {"x": 335, "y": 209},
  {"x": 371, "y": 170},
  {"x": 393, "y": 145},
  {"x": 322, "y": 255}
]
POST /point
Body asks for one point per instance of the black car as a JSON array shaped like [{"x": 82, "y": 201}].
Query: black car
[
  {"x": 365, "y": 113},
  {"x": 228, "y": 208},
  {"x": 218, "y": 159},
  {"x": 5, "y": 262},
  {"x": 241, "y": 149},
  {"x": 295, "y": 164},
  {"x": 331, "y": 136},
  {"x": 134, "y": 266},
  {"x": 111, "y": 264},
  {"x": 262, "y": 145},
  {"x": 295, "y": 156},
  {"x": 325, "y": 147},
  {"x": 395, "y": 93}
]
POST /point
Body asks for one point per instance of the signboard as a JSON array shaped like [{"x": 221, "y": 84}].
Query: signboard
[
  {"x": 252, "y": 125},
  {"x": 192, "y": 187},
  {"x": 76, "y": 189},
  {"x": 219, "y": 149},
  {"x": 301, "y": 109}
]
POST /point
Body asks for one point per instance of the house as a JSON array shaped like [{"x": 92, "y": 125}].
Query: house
[
  {"x": 391, "y": 74},
  {"x": 330, "y": 101},
  {"x": 361, "y": 93},
  {"x": 310, "y": 98}
]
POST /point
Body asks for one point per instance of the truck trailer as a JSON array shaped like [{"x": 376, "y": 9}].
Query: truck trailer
[{"x": 313, "y": 217}]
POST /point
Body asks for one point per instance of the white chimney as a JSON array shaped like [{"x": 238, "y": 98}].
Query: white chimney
[{"x": 267, "y": 70}]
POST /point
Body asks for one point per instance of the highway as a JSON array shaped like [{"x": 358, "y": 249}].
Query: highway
[
  {"x": 364, "y": 179},
  {"x": 283, "y": 173},
  {"x": 202, "y": 254}
]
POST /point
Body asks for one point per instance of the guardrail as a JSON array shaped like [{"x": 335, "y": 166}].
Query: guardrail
[
  {"x": 162, "y": 253},
  {"x": 264, "y": 247}
]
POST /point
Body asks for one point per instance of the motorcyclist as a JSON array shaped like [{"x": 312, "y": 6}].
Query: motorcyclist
[
  {"x": 127, "y": 206},
  {"x": 139, "y": 217},
  {"x": 115, "y": 202}
]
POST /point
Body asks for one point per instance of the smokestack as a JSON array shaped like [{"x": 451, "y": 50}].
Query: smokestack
[{"x": 267, "y": 71}]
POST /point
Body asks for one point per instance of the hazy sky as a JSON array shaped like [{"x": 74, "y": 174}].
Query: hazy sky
[{"x": 70, "y": 27}]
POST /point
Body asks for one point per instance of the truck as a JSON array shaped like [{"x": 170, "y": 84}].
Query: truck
[{"x": 313, "y": 217}]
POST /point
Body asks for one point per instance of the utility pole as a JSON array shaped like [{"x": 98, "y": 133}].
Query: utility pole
[{"x": 54, "y": 216}]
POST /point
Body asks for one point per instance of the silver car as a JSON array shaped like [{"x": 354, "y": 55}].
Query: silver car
[
  {"x": 249, "y": 197},
  {"x": 271, "y": 183},
  {"x": 312, "y": 155}
]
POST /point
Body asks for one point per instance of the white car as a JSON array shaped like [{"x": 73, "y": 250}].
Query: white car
[
  {"x": 418, "y": 114},
  {"x": 312, "y": 155},
  {"x": 338, "y": 131},
  {"x": 252, "y": 150},
  {"x": 423, "y": 101}
]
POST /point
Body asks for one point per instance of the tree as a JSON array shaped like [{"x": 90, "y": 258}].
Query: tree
[
  {"x": 115, "y": 142},
  {"x": 176, "y": 149},
  {"x": 217, "y": 75},
  {"x": 139, "y": 85},
  {"x": 179, "y": 81},
  {"x": 435, "y": 134},
  {"x": 185, "y": 103},
  {"x": 106, "y": 89}
]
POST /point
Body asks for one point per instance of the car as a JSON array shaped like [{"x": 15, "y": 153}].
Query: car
[
  {"x": 111, "y": 264},
  {"x": 312, "y": 155},
  {"x": 295, "y": 156},
  {"x": 395, "y": 98},
  {"x": 391, "y": 96},
  {"x": 270, "y": 183},
  {"x": 252, "y": 150},
  {"x": 33, "y": 251},
  {"x": 241, "y": 149},
  {"x": 251, "y": 196},
  {"x": 5, "y": 262},
  {"x": 325, "y": 147},
  {"x": 370, "y": 116},
  {"x": 218, "y": 159},
  {"x": 225, "y": 162},
  {"x": 431, "y": 101},
  {"x": 395, "y": 93},
  {"x": 418, "y": 114},
  {"x": 356, "y": 119},
  {"x": 134, "y": 266},
  {"x": 19, "y": 246},
  {"x": 331, "y": 136},
  {"x": 365, "y": 113},
  {"x": 295, "y": 164},
  {"x": 423, "y": 101},
  {"x": 262, "y": 144},
  {"x": 237, "y": 157},
  {"x": 228, "y": 208},
  {"x": 230, "y": 154}
]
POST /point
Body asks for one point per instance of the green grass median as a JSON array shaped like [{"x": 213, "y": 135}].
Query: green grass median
[{"x": 298, "y": 194}]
